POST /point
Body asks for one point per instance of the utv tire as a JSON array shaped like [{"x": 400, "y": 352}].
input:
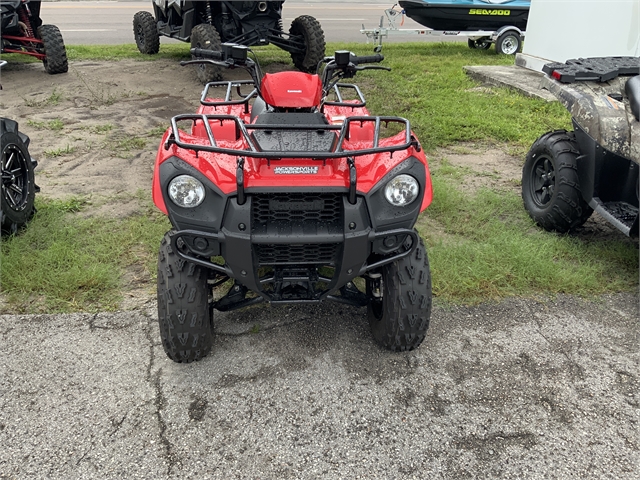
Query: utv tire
[
  {"x": 480, "y": 43},
  {"x": 309, "y": 28},
  {"x": 145, "y": 31},
  {"x": 56, "y": 54},
  {"x": 207, "y": 37},
  {"x": 400, "y": 320},
  {"x": 550, "y": 186},
  {"x": 186, "y": 322},
  {"x": 18, "y": 185},
  {"x": 509, "y": 43}
]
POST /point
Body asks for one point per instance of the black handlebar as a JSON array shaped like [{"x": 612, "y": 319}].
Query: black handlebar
[
  {"x": 377, "y": 58},
  {"x": 210, "y": 54}
]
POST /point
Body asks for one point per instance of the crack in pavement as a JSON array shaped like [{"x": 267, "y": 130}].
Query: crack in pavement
[{"x": 159, "y": 400}]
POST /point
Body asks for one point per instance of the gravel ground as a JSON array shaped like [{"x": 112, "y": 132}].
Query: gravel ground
[{"x": 520, "y": 389}]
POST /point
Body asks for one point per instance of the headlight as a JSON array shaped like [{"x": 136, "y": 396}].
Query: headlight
[
  {"x": 402, "y": 190},
  {"x": 186, "y": 191}
]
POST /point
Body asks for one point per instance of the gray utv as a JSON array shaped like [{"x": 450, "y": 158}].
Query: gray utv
[
  {"x": 208, "y": 24},
  {"x": 568, "y": 175}
]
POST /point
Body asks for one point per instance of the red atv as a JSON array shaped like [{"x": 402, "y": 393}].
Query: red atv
[
  {"x": 23, "y": 32},
  {"x": 293, "y": 191}
]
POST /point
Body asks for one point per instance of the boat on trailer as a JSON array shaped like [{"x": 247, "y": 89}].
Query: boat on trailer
[{"x": 460, "y": 15}]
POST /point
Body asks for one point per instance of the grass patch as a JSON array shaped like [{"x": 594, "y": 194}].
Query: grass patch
[
  {"x": 56, "y": 124},
  {"x": 59, "y": 152},
  {"x": 54, "y": 99},
  {"x": 122, "y": 146},
  {"x": 70, "y": 263},
  {"x": 101, "y": 129},
  {"x": 484, "y": 247}
]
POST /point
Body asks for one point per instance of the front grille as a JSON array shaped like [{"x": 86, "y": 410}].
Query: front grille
[
  {"x": 323, "y": 253},
  {"x": 324, "y": 208}
]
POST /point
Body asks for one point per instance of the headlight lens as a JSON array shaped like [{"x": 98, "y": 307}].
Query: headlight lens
[
  {"x": 402, "y": 190},
  {"x": 186, "y": 191}
]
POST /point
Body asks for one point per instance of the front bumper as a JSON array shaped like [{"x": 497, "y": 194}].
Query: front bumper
[{"x": 277, "y": 239}]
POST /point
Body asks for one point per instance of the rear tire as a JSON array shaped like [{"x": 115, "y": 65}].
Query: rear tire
[
  {"x": 56, "y": 54},
  {"x": 400, "y": 319},
  {"x": 206, "y": 36},
  {"x": 509, "y": 43},
  {"x": 18, "y": 180},
  {"x": 145, "y": 31},
  {"x": 309, "y": 28},
  {"x": 186, "y": 321},
  {"x": 550, "y": 185}
]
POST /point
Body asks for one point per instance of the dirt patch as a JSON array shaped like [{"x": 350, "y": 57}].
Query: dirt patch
[
  {"x": 95, "y": 130},
  {"x": 482, "y": 166}
]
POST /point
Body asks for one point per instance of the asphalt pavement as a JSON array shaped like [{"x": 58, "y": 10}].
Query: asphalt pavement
[
  {"x": 110, "y": 22},
  {"x": 523, "y": 389}
]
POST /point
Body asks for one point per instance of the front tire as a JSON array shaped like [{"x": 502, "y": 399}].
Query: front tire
[
  {"x": 550, "y": 185},
  {"x": 18, "y": 180},
  {"x": 400, "y": 319},
  {"x": 186, "y": 321},
  {"x": 310, "y": 30},
  {"x": 54, "y": 49},
  {"x": 145, "y": 31},
  {"x": 207, "y": 37}
]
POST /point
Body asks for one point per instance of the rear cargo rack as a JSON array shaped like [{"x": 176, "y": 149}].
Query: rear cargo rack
[{"x": 253, "y": 149}]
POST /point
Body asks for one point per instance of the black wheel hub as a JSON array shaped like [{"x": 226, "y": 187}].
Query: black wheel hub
[
  {"x": 544, "y": 181},
  {"x": 15, "y": 181}
]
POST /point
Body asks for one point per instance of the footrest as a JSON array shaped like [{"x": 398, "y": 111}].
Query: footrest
[{"x": 621, "y": 214}]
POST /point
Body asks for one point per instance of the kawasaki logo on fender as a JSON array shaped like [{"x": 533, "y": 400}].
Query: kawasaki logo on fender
[
  {"x": 482, "y": 11},
  {"x": 295, "y": 170}
]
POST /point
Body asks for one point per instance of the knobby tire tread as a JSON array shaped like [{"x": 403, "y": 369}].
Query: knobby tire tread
[
  {"x": 186, "y": 328},
  {"x": 54, "y": 49},
  {"x": 567, "y": 209},
  {"x": 407, "y": 300}
]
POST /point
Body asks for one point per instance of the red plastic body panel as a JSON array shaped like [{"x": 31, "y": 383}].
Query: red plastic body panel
[
  {"x": 291, "y": 89},
  {"x": 220, "y": 169}
]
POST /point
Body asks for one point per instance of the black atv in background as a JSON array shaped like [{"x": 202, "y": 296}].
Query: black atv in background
[
  {"x": 23, "y": 32},
  {"x": 18, "y": 189},
  {"x": 206, "y": 24}
]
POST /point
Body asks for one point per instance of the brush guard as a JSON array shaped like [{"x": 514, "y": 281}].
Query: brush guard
[{"x": 285, "y": 284}]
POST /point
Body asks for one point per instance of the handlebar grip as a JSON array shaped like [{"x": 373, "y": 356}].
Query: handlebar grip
[
  {"x": 378, "y": 57},
  {"x": 210, "y": 54}
]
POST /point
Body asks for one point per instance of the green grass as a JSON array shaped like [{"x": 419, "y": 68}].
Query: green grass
[
  {"x": 59, "y": 152},
  {"x": 64, "y": 262},
  {"x": 56, "y": 124},
  {"x": 482, "y": 245}
]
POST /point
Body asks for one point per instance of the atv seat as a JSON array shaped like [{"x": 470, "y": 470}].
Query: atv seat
[{"x": 632, "y": 89}]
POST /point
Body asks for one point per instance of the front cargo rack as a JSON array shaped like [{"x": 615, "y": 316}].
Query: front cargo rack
[
  {"x": 243, "y": 99},
  {"x": 235, "y": 96},
  {"x": 253, "y": 149}
]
